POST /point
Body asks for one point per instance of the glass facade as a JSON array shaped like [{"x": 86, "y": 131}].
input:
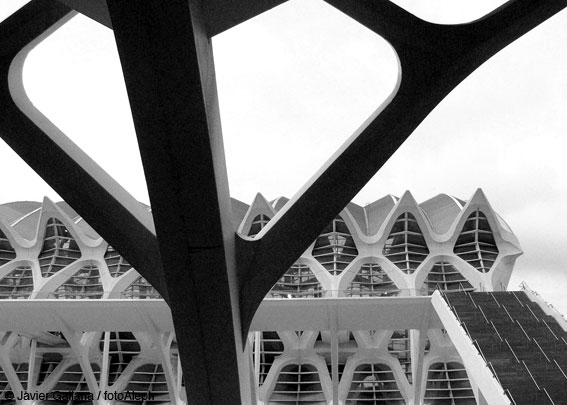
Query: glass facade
[
  {"x": 406, "y": 246},
  {"x": 476, "y": 244}
]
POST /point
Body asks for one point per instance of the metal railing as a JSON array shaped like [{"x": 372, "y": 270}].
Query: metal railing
[
  {"x": 509, "y": 394},
  {"x": 476, "y": 344},
  {"x": 524, "y": 287},
  {"x": 541, "y": 350},
  {"x": 548, "y": 396},
  {"x": 72, "y": 295},
  {"x": 531, "y": 376},
  {"x": 512, "y": 350}
]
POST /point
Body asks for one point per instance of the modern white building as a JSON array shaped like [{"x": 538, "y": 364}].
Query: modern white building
[
  {"x": 352, "y": 319},
  {"x": 353, "y": 322}
]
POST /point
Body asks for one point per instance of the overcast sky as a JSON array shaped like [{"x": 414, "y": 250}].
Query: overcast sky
[{"x": 295, "y": 82}]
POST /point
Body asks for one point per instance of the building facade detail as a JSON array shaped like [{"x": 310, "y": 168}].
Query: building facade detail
[{"x": 391, "y": 248}]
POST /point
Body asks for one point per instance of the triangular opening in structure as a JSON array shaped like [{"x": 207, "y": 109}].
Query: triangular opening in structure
[
  {"x": 122, "y": 348},
  {"x": 371, "y": 281},
  {"x": 476, "y": 244},
  {"x": 116, "y": 264},
  {"x": 17, "y": 284},
  {"x": 149, "y": 380},
  {"x": 449, "y": 383},
  {"x": 335, "y": 248},
  {"x": 84, "y": 284},
  {"x": 298, "y": 282},
  {"x": 374, "y": 384},
  {"x": 73, "y": 380},
  {"x": 297, "y": 384},
  {"x": 59, "y": 248},
  {"x": 141, "y": 289},
  {"x": 258, "y": 223},
  {"x": 444, "y": 276},
  {"x": 7, "y": 252},
  {"x": 406, "y": 246}
]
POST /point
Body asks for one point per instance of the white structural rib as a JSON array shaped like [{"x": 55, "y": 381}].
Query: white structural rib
[
  {"x": 85, "y": 315},
  {"x": 546, "y": 307},
  {"x": 477, "y": 367}
]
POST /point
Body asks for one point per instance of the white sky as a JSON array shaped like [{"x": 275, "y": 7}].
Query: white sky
[{"x": 295, "y": 82}]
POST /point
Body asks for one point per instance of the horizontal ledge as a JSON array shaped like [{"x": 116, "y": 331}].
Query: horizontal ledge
[
  {"x": 38, "y": 315},
  {"x": 351, "y": 313}
]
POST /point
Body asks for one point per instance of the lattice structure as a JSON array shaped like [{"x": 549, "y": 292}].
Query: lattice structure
[
  {"x": 7, "y": 252},
  {"x": 17, "y": 284},
  {"x": 85, "y": 283},
  {"x": 445, "y": 277},
  {"x": 476, "y": 244},
  {"x": 5, "y": 390},
  {"x": 258, "y": 223},
  {"x": 49, "y": 361},
  {"x": 123, "y": 347},
  {"x": 267, "y": 346},
  {"x": 59, "y": 248},
  {"x": 374, "y": 384},
  {"x": 149, "y": 380},
  {"x": 73, "y": 379},
  {"x": 298, "y": 282},
  {"x": 406, "y": 246},
  {"x": 448, "y": 383},
  {"x": 399, "y": 346},
  {"x": 362, "y": 270},
  {"x": 21, "y": 370},
  {"x": 371, "y": 281},
  {"x": 298, "y": 384},
  {"x": 116, "y": 264},
  {"x": 341, "y": 363},
  {"x": 335, "y": 247},
  {"x": 141, "y": 289}
]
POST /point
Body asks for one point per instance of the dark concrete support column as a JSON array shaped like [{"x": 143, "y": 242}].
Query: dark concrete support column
[{"x": 167, "y": 61}]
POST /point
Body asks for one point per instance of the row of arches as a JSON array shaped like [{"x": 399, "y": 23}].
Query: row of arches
[
  {"x": 289, "y": 371},
  {"x": 334, "y": 249},
  {"x": 59, "y": 250},
  {"x": 372, "y": 384},
  {"x": 405, "y": 245},
  {"x": 371, "y": 280}
]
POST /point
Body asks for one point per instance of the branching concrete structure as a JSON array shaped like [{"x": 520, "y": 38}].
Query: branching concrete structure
[{"x": 166, "y": 56}]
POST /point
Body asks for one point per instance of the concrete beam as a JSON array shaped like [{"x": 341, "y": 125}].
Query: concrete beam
[
  {"x": 220, "y": 15},
  {"x": 94, "y": 9}
]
